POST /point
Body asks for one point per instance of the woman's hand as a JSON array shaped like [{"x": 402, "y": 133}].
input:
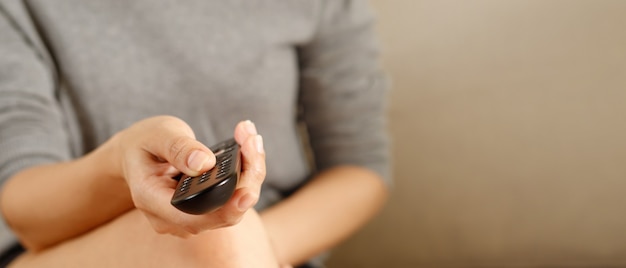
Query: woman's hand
[{"x": 154, "y": 150}]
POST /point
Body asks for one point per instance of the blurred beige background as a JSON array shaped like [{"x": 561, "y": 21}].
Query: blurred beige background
[{"x": 508, "y": 118}]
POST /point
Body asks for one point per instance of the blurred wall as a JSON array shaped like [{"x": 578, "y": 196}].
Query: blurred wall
[{"x": 509, "y": 127}]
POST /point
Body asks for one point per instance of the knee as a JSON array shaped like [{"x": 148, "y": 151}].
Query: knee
[{"x": 243, "y": 245}]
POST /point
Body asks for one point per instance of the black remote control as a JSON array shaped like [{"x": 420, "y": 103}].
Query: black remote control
[{"x": 212, "y": 189}]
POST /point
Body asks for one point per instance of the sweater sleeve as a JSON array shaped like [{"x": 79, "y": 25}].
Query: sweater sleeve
[
  {"x": 343, "y": 90},
  {"x": 31, "y": 128},
  {"x": 31, "y": 132}
]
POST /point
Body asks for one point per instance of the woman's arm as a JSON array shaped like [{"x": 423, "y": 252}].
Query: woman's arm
[
  {"x": 48, "y": 204},
  {"x": 332, "y": 206},
  {"x": 343, "y": 99}
]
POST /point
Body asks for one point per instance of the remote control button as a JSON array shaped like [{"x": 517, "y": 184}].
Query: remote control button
[
  {"x": 183, "y": 190},
  {"x": 218, "y": 153},
  {"x": 222, "y": 158}
]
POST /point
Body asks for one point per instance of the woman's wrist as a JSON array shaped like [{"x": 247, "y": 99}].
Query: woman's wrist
[{"x": 106, "y": 163}]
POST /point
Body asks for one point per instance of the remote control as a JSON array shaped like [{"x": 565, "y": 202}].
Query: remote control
[{"x": 212, "y": 189}]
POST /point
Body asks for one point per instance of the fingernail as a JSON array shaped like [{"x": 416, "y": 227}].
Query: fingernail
[
  {"x": 250, "y": 127},
  {"x": 246, "y": 202},
  {"x": 259, "y": 144},
  {"x": 196, "y": 160}
]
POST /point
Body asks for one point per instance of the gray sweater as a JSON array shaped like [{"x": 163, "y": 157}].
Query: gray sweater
[{"x": 74, "y": 72}]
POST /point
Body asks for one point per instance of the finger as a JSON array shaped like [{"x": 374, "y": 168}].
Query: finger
[
  {"x": 171, "y": 171},
  {"x": 174, "y": 141},
  {"x": 230, "y": 214},
  {"x": 165, "y": 218},
  {"x": 243, "y": 130},
  {"x": 250, "y": 181},
  {"x": 253, "y": 172},
  {"x": 253, "y": 162}
]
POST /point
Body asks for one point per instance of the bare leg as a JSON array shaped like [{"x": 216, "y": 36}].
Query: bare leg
[{"x": 129, "y": 241}]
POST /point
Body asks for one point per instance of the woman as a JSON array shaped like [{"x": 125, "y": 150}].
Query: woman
[{"x": 102, "y": 103}]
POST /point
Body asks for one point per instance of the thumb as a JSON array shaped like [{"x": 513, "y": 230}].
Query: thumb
[
  {"x": 187, "y": 155},
  {"x": 175, "y": 142}
]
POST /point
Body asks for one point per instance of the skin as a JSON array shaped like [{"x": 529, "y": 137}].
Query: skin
[
  {"x": 133, "y": 243},
  {"x": 65, "y": 214},
  {"x": 334, "y": 205}
]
